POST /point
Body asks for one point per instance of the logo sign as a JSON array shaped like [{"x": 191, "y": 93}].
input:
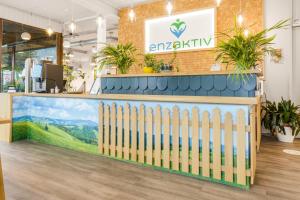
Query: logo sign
[{"x": 189, "y": 31}]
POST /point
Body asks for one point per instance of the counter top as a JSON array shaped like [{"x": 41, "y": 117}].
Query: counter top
[
  {"x": 180, "y": 74},
  {"x": 158, "y": 98}
]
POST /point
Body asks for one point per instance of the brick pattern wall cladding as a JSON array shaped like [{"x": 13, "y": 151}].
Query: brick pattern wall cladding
[{"x": 189, "y": 61}]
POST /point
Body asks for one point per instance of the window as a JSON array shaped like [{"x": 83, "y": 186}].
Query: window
[{"x": 15, "y": 51}]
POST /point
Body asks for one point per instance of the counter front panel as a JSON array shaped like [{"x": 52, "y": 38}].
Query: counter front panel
[
  {"x": 196, "y": 85},
  {"x": 212, "y": 141}
]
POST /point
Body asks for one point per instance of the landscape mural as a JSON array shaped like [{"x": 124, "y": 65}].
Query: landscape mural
[{"x": 68, "y": 123}]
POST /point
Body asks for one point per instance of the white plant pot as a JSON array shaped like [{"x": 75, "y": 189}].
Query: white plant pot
[{"x": 288, "y": 137}]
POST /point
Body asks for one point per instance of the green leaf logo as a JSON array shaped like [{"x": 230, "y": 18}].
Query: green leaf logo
[{"x": 177, "y": 28}]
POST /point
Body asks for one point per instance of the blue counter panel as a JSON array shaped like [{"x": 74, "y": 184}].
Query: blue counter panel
[{"x": 200, "y": 85}]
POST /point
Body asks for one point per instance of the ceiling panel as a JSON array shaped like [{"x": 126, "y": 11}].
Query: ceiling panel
[{"x": 61, "y": 10}]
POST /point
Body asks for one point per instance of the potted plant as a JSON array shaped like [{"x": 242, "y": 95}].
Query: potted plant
[
  {"x": 122, "y": 56},
  {"x": 270, "y": 116},
  {"x": 243, "y": 50},
  {"x": 288, "y": 121},
  {"x": 282, "y": 119},
  {"x": 151, "y": 64}
]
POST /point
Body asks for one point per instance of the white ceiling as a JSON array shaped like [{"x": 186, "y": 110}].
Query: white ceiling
[{"x": 61, "y": 10}]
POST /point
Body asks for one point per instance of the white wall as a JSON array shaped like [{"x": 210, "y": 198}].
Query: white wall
[
  {"x": 278, "y": 76},
  {"x": 16, "y": 15},
  {"x": 296, "y": 52}
]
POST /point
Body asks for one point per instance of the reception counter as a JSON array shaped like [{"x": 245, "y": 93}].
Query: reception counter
[{"x": 211, "y": 138}]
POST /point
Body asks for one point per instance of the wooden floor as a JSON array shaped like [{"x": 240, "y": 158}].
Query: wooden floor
[{"x": 36, "y": 172}]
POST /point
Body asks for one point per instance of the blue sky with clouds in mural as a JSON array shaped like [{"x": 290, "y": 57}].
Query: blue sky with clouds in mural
[{"x": 56, "y": 108}]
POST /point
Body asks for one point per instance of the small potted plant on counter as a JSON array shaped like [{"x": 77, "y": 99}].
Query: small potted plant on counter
[
  {"x": 282, "y": 119},
  {"x": 122, "y": 56},
  {"x": 151, "y": 64}
]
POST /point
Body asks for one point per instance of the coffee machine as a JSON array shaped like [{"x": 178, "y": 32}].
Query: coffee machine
[{"x": 42, "y": 77}]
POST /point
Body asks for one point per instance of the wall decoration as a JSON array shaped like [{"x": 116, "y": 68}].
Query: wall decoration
[{"x": 189, "y": 31}]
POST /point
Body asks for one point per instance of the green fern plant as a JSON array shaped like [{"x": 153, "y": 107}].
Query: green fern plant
[
  {"x": 122, "y": 56},
  {"x": 245, "y": 51}
]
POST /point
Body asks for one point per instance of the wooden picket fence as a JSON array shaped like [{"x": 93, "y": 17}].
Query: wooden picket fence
[{"x": 143, "y": 136}]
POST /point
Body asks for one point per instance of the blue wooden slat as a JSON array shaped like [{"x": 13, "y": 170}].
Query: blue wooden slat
[
  {"x": 207, "y": 82},
  {"x": 227, "y": 93},
  {"x": 134, "y": 83},
  {"x": 143, "y": 83},
  {"x": 189, "y": 92},
  {"x": 220, "y": 82},
  {"x": 249, "y": 83},
  {"x": 214, "y": 92},
  {"x": 103, "y": 83},
  {"x": 110, "y": 83},
  {"x": 118, "y": 83},
  {"x": 195, "y": 83},
  {"x": 126, "y": 83},
  {"x": 201, "y": 92},
  {"x": 233, "y": 83},
  {"x": 251, "y": 93},
  {"x": 241, "y": 93},
  {"x": 184, "y": 82},
  {"x": 172, "y": 83},
  {"x": 148, "y": 92},
  {"x": 162, "y": 83},
  {"x": 152, "y": 83}
]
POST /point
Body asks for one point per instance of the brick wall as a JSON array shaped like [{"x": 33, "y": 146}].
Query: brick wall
[{"x": 189, "y": 61}]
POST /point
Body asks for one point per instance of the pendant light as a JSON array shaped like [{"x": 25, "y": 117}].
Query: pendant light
[
  {"x": 169, "y": 7},
  {"x": 72, "y": 25},
  {"x": 240, "y": 18},
  {"x": 218, "y": 2},
  {"x": 49, "y": 29},
  {"x": 26, "y": 36},
  {"x": 131, "y": 15},
  {"x": 246, "y": 32}
]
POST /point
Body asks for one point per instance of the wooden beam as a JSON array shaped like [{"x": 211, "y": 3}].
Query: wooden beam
[{"x": 59, "y": 49}]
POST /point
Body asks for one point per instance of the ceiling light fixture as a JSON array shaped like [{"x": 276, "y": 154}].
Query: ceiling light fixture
[
  {"x": 72, "y": 27},
  {"x": 169, "y": 7},
  {"x": 246, "y": 32},
  {"x": 100, "y": 21},
  {"x": 132, "y": 15},
  {"x": 26, "y": 36},
  {"x": 49, "y": 29},
  {"x": 218, "y": 2},
  {"x": 240, "y": 18}
]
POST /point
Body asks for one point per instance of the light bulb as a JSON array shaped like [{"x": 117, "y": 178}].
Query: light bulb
[
  {"x": 131, "y": 15},
  {"x": 218, "y": 2},
  {"x": 72, "y": 27},
  {"x": 26, "y": 36},
  {"x": 50, "y": 31},
  {"x": 240, "y": 19},
  {"x": 169, "y": 7},
  {"x": 246, "y": 32},
  {"x": 99, "y": 21}
]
